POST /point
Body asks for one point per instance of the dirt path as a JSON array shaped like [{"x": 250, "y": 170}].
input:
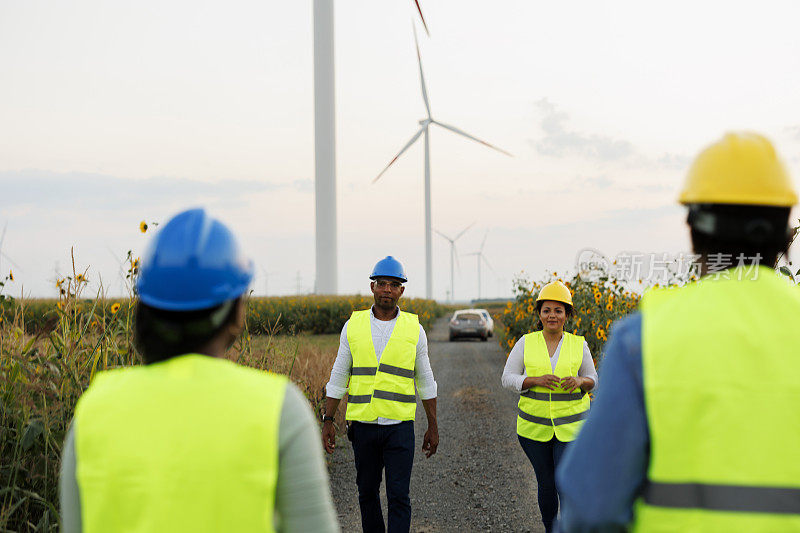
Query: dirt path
[{"x": 479, "y": 480}]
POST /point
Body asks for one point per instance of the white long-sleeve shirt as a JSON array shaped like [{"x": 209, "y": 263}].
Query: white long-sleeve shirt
[
  {"x": 514, "y": 372},
  {"x": 381, "y": 331}
]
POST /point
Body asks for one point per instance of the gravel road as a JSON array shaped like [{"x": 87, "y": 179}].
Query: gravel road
[{"x": 479, "y": 479}]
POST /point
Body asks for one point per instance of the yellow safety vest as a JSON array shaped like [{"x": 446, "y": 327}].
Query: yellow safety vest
[
  {"x": 720, "y": 362},
  {"x": 385, "y": 390},
  {"x": 544, "y": 413},
  {"x": 189, "y": 444}
]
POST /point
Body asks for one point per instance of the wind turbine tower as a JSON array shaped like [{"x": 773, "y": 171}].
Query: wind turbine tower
[
  {"x": 423, "y": 130},
  {"x": 327, "y": 263},
  {"x": 481, "y": 258},
  {"x": 453, "y": 258}
]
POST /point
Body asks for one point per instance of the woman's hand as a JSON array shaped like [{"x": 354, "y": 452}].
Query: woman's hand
[
  {"x": 548, "y": 381},
  {"x": 571, "y": 383}
]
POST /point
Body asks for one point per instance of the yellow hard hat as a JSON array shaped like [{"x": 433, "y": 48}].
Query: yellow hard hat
[
  {"x": 555, "y": 291},
  {"x": 742, "y": 168}
]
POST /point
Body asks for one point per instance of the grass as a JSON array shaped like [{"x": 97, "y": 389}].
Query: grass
[{"x": 45, "y": 369}]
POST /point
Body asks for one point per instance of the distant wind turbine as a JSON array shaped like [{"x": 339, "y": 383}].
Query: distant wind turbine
[
  {"x": 481, "y": 258},
  {"x": 266, "y": 280},
  {"x": 424, "y": 124},
  {"x": 453, "y": 257},
  {"x": 3, "y": 254}
]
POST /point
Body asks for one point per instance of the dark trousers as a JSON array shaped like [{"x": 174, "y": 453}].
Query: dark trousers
[
  {"x": 376, "y": 448},
  {"x": 544, "y": 456}
]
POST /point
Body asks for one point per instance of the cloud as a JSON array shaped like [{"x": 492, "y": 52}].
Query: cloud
[
  {"x": 560, "y": 141},
  {"x": 46, "y": 189},
  {"x": 794, "y": 132},
  {"x": 671, "y": 161}
]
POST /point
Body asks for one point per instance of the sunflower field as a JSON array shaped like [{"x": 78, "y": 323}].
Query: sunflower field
[
  {"x": 324, "y": 314},
  {"x": 597, "y": 305},
  {"x": 265, "y": 316}
]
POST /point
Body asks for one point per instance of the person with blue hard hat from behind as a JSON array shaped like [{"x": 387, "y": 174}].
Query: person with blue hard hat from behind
[
  {"x": 190, "y": 441},
  {"x": 697, "y": 426},
  {"x": 383, "y": 353}
]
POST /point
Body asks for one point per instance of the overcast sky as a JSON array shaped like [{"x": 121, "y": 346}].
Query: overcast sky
[{"x": 111, "y": 113}]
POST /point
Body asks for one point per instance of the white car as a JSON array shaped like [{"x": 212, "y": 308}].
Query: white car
[
  {"x": 489, "y": 320},
  {"x": 471, "y": 323}
]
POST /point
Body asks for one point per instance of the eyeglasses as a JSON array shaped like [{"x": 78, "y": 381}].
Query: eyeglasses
[{"x": 383, "y": 283}]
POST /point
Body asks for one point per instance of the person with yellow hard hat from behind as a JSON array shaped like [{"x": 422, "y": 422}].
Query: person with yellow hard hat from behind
[
  {"x": 191, "y": 441},
  {"x": 697, "y": 427},
  {"x": 553, "y": 371}
]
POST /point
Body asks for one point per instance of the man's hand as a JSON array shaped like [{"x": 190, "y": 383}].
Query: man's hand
[
  {"x": 431, "y": 441},
  {"x": 329, "y": 436},
  {"x": 328, "y": 429}
]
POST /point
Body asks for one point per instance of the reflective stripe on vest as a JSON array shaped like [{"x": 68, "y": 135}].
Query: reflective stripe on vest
[
  {"x": 720, "y": 387},
  {"x": 543, "y": 413},
  {"x": 384, "y": 389},
  {"x": 750, "y": 499},
  {"x": 187, "y": 444}
]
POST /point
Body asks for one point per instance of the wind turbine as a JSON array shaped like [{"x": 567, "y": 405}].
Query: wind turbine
[
  {"x": 453, "y": 257},
  {"x": 266, "y": 280},
  {"x": 327, "y": 264},
  {"x": 424, "y": 125},
  {"x": 481, "y": 258},
  {"x": 2, "y": 253}
]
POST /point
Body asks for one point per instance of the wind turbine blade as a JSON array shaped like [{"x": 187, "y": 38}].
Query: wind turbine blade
[
  {"x": 424, "y": 25},
  {"x": 445, "y": 236},
  {"x": 487, "y": 264},
  {"x": 421, "y": 74},
  {"x": 464, "y": 231},
  {"x": 406, "y": 147},
  {"x": 15, "y": 265},
  {"x": 468, "y": 136},
  {"x": 117, "y": 259},
  {"x": 483, "y": 241}
]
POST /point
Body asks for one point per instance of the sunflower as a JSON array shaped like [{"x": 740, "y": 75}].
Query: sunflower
[
  {"x": 81, "y": 278},
  {"x": 11, "y": 275},
  {"x": 142, "y": 226},
  {"x": 114, "y": 308}
]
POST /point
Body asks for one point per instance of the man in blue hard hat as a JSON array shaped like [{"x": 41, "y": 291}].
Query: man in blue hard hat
[
  {"x": 383, "y": 354},
  {"x": 190, "y": 441}
]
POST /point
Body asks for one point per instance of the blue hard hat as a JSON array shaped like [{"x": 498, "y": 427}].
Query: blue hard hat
[
  {"x": 194, "y": 262},
  {"x": 389, "y": 267}
]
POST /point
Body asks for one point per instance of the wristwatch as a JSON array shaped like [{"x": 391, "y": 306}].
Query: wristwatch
[{"x": 325, "y": 418}]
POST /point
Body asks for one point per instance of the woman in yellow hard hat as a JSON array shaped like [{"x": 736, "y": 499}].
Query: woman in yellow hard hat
[{"x": 552, "y": 370}]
